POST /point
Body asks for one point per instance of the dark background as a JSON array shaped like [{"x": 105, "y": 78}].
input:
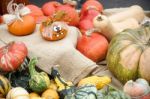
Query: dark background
[{"x": 106, "y": 3}]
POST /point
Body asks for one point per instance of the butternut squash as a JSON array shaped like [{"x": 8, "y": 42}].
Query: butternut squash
[
  {"x": 103, "y": 24},
  {"x": 134, "y": 11}
]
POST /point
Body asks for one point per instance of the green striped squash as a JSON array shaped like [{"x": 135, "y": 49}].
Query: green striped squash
[
  {"x": 4, "y": 85},
  {"x": 128, "y": 56}
]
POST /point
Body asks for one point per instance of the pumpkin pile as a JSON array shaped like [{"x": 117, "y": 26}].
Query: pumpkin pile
[{"x": 121, "y": 38}]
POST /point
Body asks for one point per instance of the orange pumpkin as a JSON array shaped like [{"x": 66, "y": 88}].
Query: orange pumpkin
[{"x": 21, "y": 28}]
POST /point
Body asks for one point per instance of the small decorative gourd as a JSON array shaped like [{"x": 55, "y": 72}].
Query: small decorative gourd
[
  {"x": 85, "y": 92},
  {"x": 64, "y": 88},
  {"x": 50, "y": 94},
  {"x": 18, "y": 93},
  {"x": 99, "y": 82},
  {"x": 38, "y": 81},
  {"x": 4, "y": 85}
]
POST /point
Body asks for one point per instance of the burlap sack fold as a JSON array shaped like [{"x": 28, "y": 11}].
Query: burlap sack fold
[{"x": 73, "y": 65}]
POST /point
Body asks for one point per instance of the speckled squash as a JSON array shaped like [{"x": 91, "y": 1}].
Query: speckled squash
[{"x": 128, "y": 56}]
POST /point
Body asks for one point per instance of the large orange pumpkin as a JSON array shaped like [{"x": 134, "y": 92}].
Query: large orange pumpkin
[{"x": 21, "y": 28}]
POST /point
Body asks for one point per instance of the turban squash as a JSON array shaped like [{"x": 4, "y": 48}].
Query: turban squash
[{"x": 128, "y": 54}]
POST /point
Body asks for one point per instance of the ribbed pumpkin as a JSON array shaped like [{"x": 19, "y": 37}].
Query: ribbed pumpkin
[
  {"x": 4, "y": 85},
  {"x": 85, "y": 92},
  {"x": 128, "y": 54}
]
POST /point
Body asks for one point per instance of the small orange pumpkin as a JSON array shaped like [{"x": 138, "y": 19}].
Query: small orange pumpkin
[{"x": 21, "y": 28}]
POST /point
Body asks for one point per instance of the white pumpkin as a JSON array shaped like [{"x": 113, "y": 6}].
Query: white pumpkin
[{"x": 17, "y": 93}]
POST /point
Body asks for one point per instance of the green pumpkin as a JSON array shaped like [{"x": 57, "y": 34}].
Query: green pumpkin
[
  {"x": 85, "y": 92},
  {"x": 4, "y": 85},
  {"x": 38, "y": 81},
  {"x": 128, "y": 54}
]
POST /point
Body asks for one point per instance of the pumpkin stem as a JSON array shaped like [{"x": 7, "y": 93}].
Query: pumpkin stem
[{"x": 32, "y": 64}]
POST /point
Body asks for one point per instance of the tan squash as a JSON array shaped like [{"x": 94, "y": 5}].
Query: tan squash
[
  {"x": 135, "y": 12},
  {"x": 52, "y": 85},
  {"x": 104, "y": 25}
]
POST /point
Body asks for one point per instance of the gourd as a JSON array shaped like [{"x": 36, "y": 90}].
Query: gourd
[
  {"x": 84, "y": 92},
  {"x": 38, "y": 81},
  {"x": 33, "y": 95},
  {"x": 110, "y": 92},
  {"x": 50, "y": 94},
  {"x": 17, "y": 93},
  {"x": 52, "y": 85},
  {"x": 109, "y": 29},
  {"x": 5, "y": 85},
  {"x": 99, "y": 82},
  {"x": 128, "y": 54},
  {"x": 138, "y": 88},
  {"x": 64, "y": 88}
]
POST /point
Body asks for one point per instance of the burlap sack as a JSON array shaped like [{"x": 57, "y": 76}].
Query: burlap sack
[{"x": 73, "y": 65}]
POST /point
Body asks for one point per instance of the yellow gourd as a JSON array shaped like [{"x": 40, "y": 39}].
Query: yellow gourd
[
  {"x": 99, "y": 82},
  {"x": 50, "y": 94}
]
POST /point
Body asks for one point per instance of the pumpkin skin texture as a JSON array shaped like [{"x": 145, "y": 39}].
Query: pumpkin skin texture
[
  {"x": 71, "y": 14},
  {"x": 128, "y": 52},
  {"x": 20, "y": 28},
  {"x": 49, "y": 8},
  {"x": 94, "y": 46},
  {"x": 12, "y": 56}
]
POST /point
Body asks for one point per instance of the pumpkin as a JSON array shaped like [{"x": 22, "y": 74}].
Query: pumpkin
[
  {"x": 89, "y": 14},
  {"x": 49, "y": 8},
  {"x": 21, "y": 28},
  {"x": 19, "y": 21},
  {"x": 12, "y": 56},
  {"x": 71, "y": 16},
  {"x": 4, "y": 85},
  {"x": 99, "y": 82},
  {"x": 18, "y": 93},
  {"x": 85, "y": 25},
  {"x": 54, "y": 31},
  {"x": 50, "y": 94},
  {"x": 128, "y": 54},
  {"x": 91, "y": 4},
  {"x": 93, "y": 46},
  {"x": 37, "y": 13},
  {"x": 38, "y": 82}
]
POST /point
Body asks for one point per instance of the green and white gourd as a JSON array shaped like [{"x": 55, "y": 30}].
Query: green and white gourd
[{"x": 39, "y": 81}]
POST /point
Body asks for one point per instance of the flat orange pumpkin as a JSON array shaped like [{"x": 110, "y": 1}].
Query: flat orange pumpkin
[{"x": 22, "y": 28}]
